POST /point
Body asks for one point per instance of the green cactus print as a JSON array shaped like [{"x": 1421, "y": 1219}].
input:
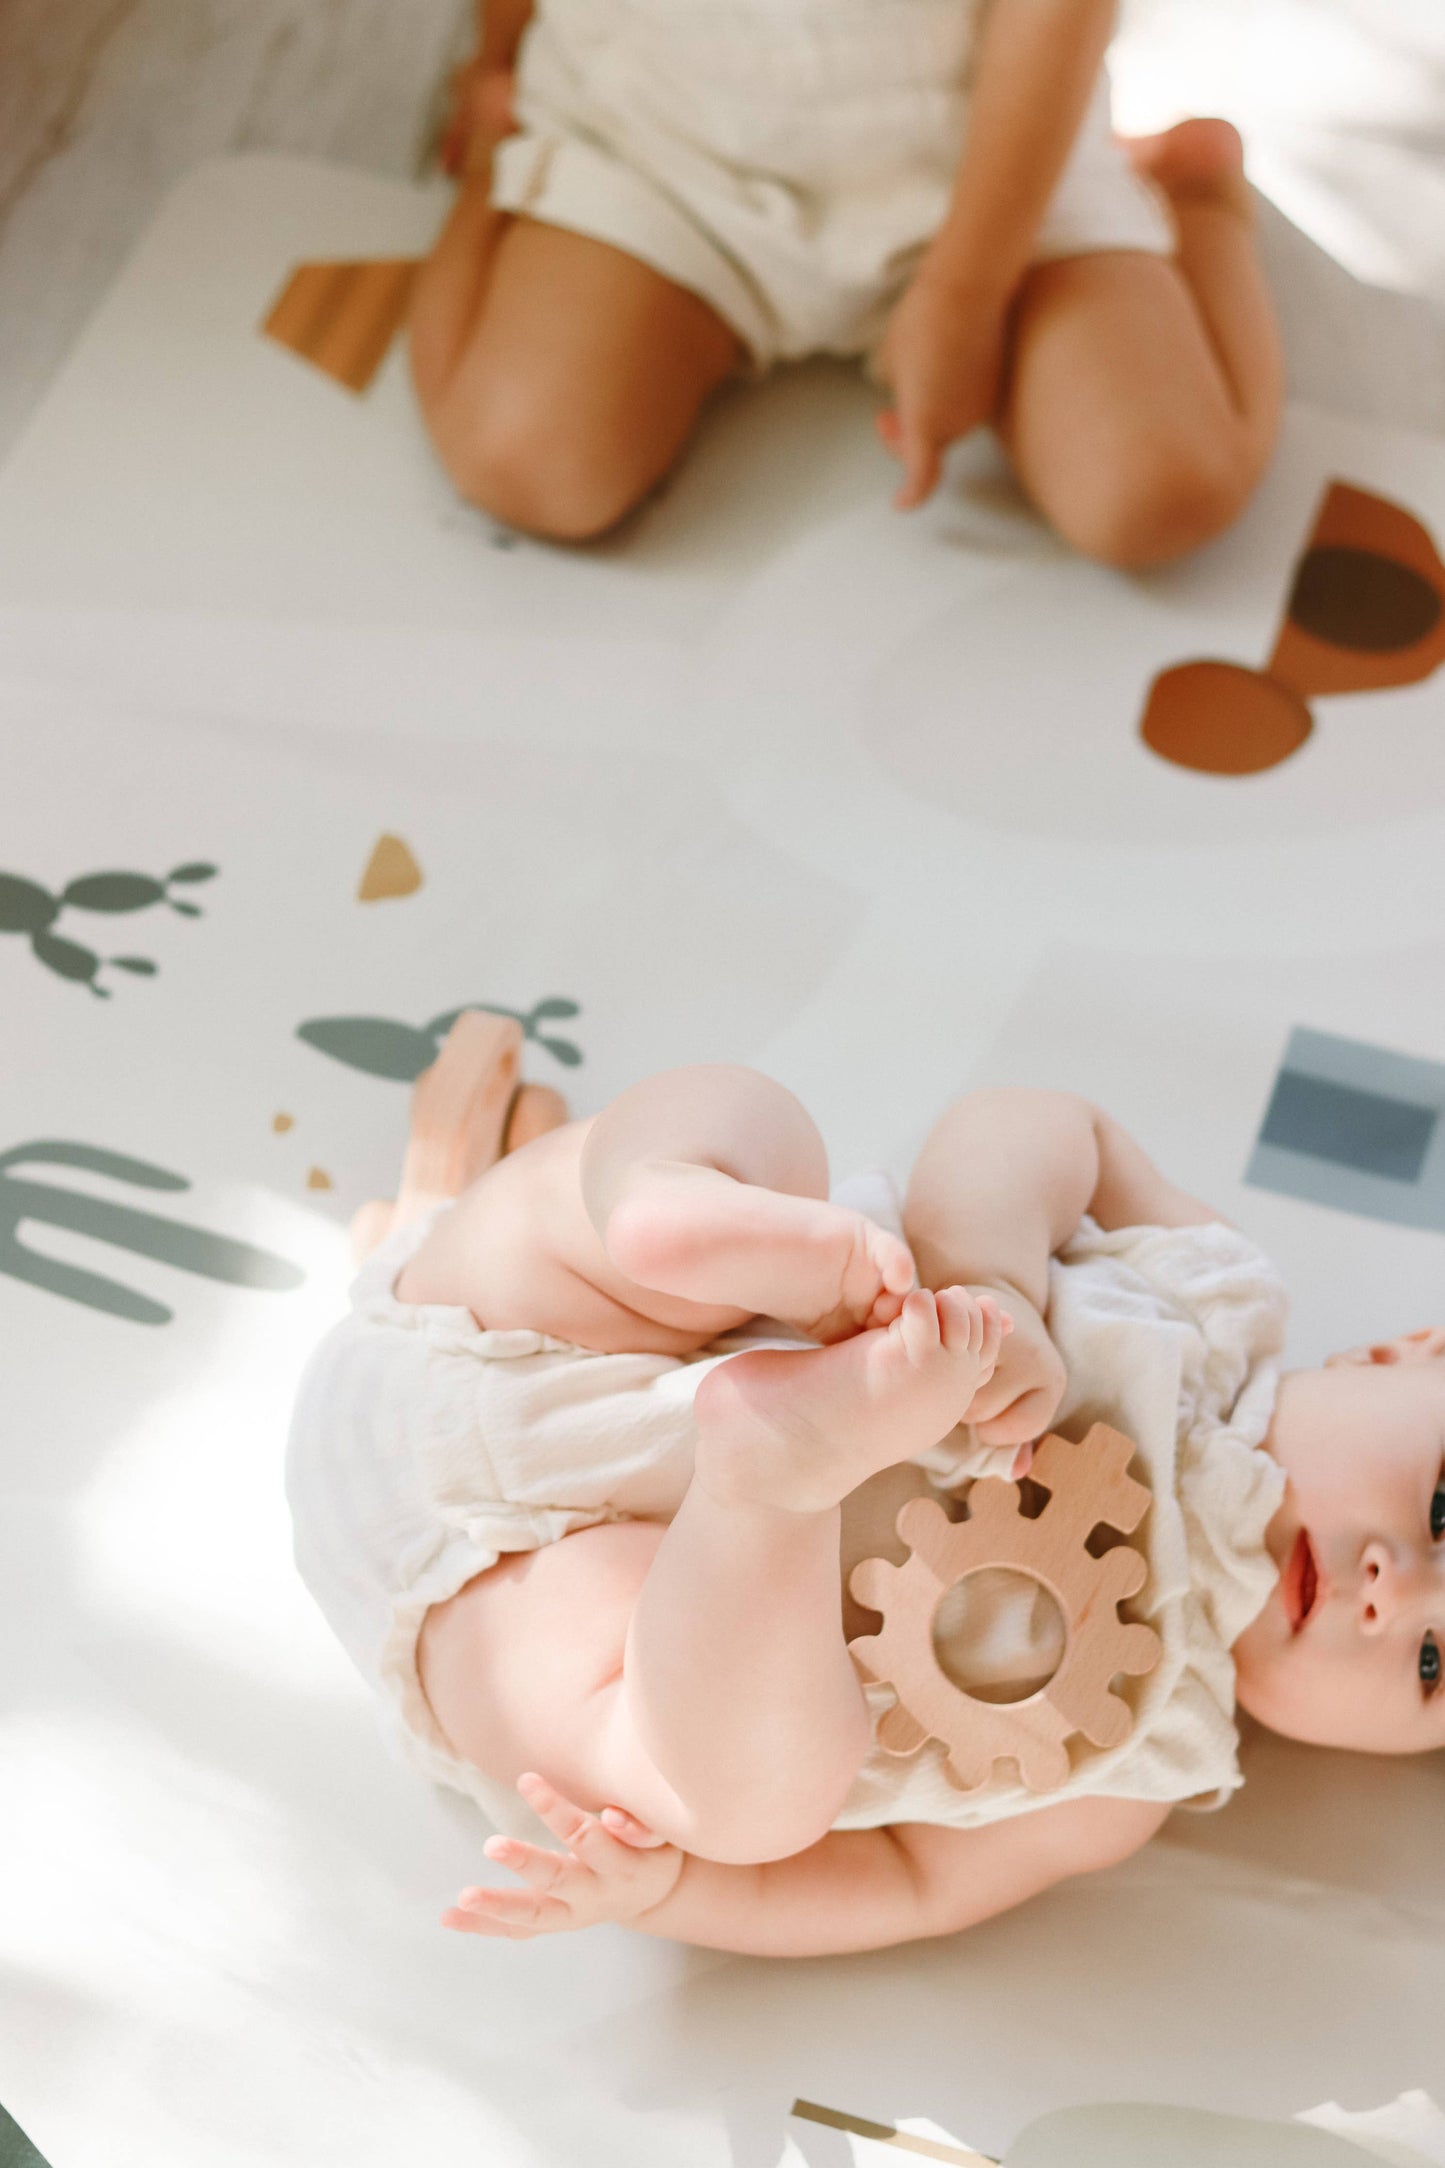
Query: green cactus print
[
  {"x": 143, "y": 1234},
  {"x": 30, "y": 910},
  {"x": 379, "y": 1047},
  {"x": 16, "y": 2150}
]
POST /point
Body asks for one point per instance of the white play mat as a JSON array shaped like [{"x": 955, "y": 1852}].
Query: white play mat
[{"x": 774, "y": 776}]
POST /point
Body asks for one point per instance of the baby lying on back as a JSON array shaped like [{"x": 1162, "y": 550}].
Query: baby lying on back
[{"x": 585, "y": 1519}]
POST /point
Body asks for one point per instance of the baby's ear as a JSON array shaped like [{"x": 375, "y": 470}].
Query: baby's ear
[{"x": 1425, "y": 1346}]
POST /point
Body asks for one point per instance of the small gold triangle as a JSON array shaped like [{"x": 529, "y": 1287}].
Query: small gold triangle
[{"x": 390, "y": 871}]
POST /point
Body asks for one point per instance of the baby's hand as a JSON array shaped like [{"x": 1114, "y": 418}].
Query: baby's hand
[
  {"x": 613, "y": 1869},
  {"x": 1022, "y": 1397},
  {"x": 481, "y": 112},
  {"x": 942, "y": 359}
]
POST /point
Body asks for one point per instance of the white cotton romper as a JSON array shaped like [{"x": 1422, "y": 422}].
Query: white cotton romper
[
  {"x": 787, "y": 160},
  {"x": 424, "y": 1447}
]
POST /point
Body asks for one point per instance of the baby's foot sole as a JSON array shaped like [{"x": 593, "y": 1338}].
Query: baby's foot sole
[
  {"x": 691, "y": 1231},
  {"x": 799, "y": 1429}
]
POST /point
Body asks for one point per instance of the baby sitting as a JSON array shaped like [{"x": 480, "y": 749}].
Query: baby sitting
[
  {"x": 659, "y": 194},
  {"x": 574, "y": 1509}
]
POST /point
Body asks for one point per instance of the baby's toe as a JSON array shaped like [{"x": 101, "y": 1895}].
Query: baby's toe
[
  {"x": 919, "y": 1326},
  {"x": 962, "y": 1321}
]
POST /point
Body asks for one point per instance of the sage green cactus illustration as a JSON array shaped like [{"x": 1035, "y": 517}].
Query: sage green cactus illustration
[
  {"x": 143, "y": 1234},
  {"x": 380, "y": 1047},
  {"x": 28, "y": 909},
  {"x": 16, "y": 2150}
]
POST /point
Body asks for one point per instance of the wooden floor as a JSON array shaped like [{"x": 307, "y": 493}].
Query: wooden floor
[{"x": 106, "y": 104}]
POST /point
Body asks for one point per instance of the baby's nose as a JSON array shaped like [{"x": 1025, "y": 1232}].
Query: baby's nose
[{"x": 1387, "y": 1584}]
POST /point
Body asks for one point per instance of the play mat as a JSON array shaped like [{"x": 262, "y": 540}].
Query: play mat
[{"x": 302, "y": 757}]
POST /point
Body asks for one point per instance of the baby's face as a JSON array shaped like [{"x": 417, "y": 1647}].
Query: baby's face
[{"x": 1350, "y": 1647}]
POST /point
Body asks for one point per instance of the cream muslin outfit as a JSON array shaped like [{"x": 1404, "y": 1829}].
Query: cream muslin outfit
[
  {"x": 424, "y": 1447},
  {"x": 788, "y": 160}
]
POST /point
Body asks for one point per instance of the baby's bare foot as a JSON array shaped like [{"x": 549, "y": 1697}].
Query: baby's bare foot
[
  {"x": 860, "y": 1271},
  {"x": 799, "y": 1429},
  {"x": 692, "y": 1231}
]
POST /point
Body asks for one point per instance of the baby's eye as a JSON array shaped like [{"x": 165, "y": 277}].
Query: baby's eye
[
  {"x": 1429, "y": 1665},
  {"x": 1437, "y": 1512}
]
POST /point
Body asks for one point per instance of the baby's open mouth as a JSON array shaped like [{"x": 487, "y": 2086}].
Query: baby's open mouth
[{"x": 1299, "y": 1583}]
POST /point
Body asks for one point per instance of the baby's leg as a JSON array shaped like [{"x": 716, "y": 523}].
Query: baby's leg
[
  {"x": 1144, "y": 393},
  {"x": 697, "y": 1676},
  {"x": 558, "y": 377},
  {"x": 693, "y": 1202}
]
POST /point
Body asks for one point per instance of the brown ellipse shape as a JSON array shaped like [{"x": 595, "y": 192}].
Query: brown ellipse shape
[
  {"x": 1353, "y": 598},
  {"x": 1222, "y": 719}
]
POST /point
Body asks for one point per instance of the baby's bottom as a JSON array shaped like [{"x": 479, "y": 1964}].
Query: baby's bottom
[
  {"x": 560, "y": 378},
  {"x": 697, "y": 1675}
]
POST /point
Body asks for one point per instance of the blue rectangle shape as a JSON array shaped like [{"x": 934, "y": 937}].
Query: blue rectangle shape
[{"x": 1348, "y": 1126}]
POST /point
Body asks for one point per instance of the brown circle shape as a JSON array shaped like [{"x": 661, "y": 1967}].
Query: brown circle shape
[{"x": 1222, "y": 719}]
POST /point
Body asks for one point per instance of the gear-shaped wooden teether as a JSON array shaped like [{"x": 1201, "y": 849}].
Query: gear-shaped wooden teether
[{"x": 1088, "y": 1485}]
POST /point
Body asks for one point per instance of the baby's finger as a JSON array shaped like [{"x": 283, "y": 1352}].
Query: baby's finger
[
  {"x": 562, "y": 1816},
  {"x": 628, "y": 1830},
  {"x": 519, "y": 1906},
  {"x": 474, "y": 1923},
  {"x": 885, "y": 1309},
  {"x": 1023, "y": 1420},
  {"x": 922, "y": 464},
  {"x": 958, "y": 1316},
  {"x": 476, "y": 1913},
  {"x": 996, "y": 1323},
  {"x": 900, "y": 1274},
  {"x": 532, "y": 1863},
  {"x": 582, "y": 1833}
]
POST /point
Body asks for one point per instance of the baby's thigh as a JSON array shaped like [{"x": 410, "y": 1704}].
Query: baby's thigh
[
  {"x": 510, "y": 1248},
  {"x": 521, "y": 1668}
]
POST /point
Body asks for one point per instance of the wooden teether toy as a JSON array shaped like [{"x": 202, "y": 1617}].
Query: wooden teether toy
[{"x": 1088, "y": 1486}]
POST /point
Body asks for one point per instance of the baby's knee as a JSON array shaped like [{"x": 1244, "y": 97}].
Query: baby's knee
[
  {"x": 780, "y": 1804},
  {"x": 519, "y": 456},
  {"x": 1160, "y": 501},
  {"x": 751, "y": 1832}
]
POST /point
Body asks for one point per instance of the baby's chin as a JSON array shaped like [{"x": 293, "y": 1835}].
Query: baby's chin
[{"x": 1267, "y": 1684}]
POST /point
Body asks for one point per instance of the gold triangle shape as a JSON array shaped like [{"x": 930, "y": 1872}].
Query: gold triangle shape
[{"x": 390, "y": 871}]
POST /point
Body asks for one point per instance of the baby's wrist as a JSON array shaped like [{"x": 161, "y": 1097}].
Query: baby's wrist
[
  {"x": 669, "y": 1865},
  {"x": 1009, "y": 1298},
  {"x": 982, "y": 284}
]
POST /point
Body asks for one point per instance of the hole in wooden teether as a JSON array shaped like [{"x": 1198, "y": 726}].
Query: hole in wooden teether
[{"x": 998, "y": 1635}]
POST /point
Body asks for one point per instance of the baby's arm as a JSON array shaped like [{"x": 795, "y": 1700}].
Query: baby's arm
[
  {"x": 999, "y": 1187},
  {"x": 482, "y": 87},
  {"x": 855, "y": 1890},
  {"x": 1038, "y": 61},
  {"x": 943, "y": 354}
]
